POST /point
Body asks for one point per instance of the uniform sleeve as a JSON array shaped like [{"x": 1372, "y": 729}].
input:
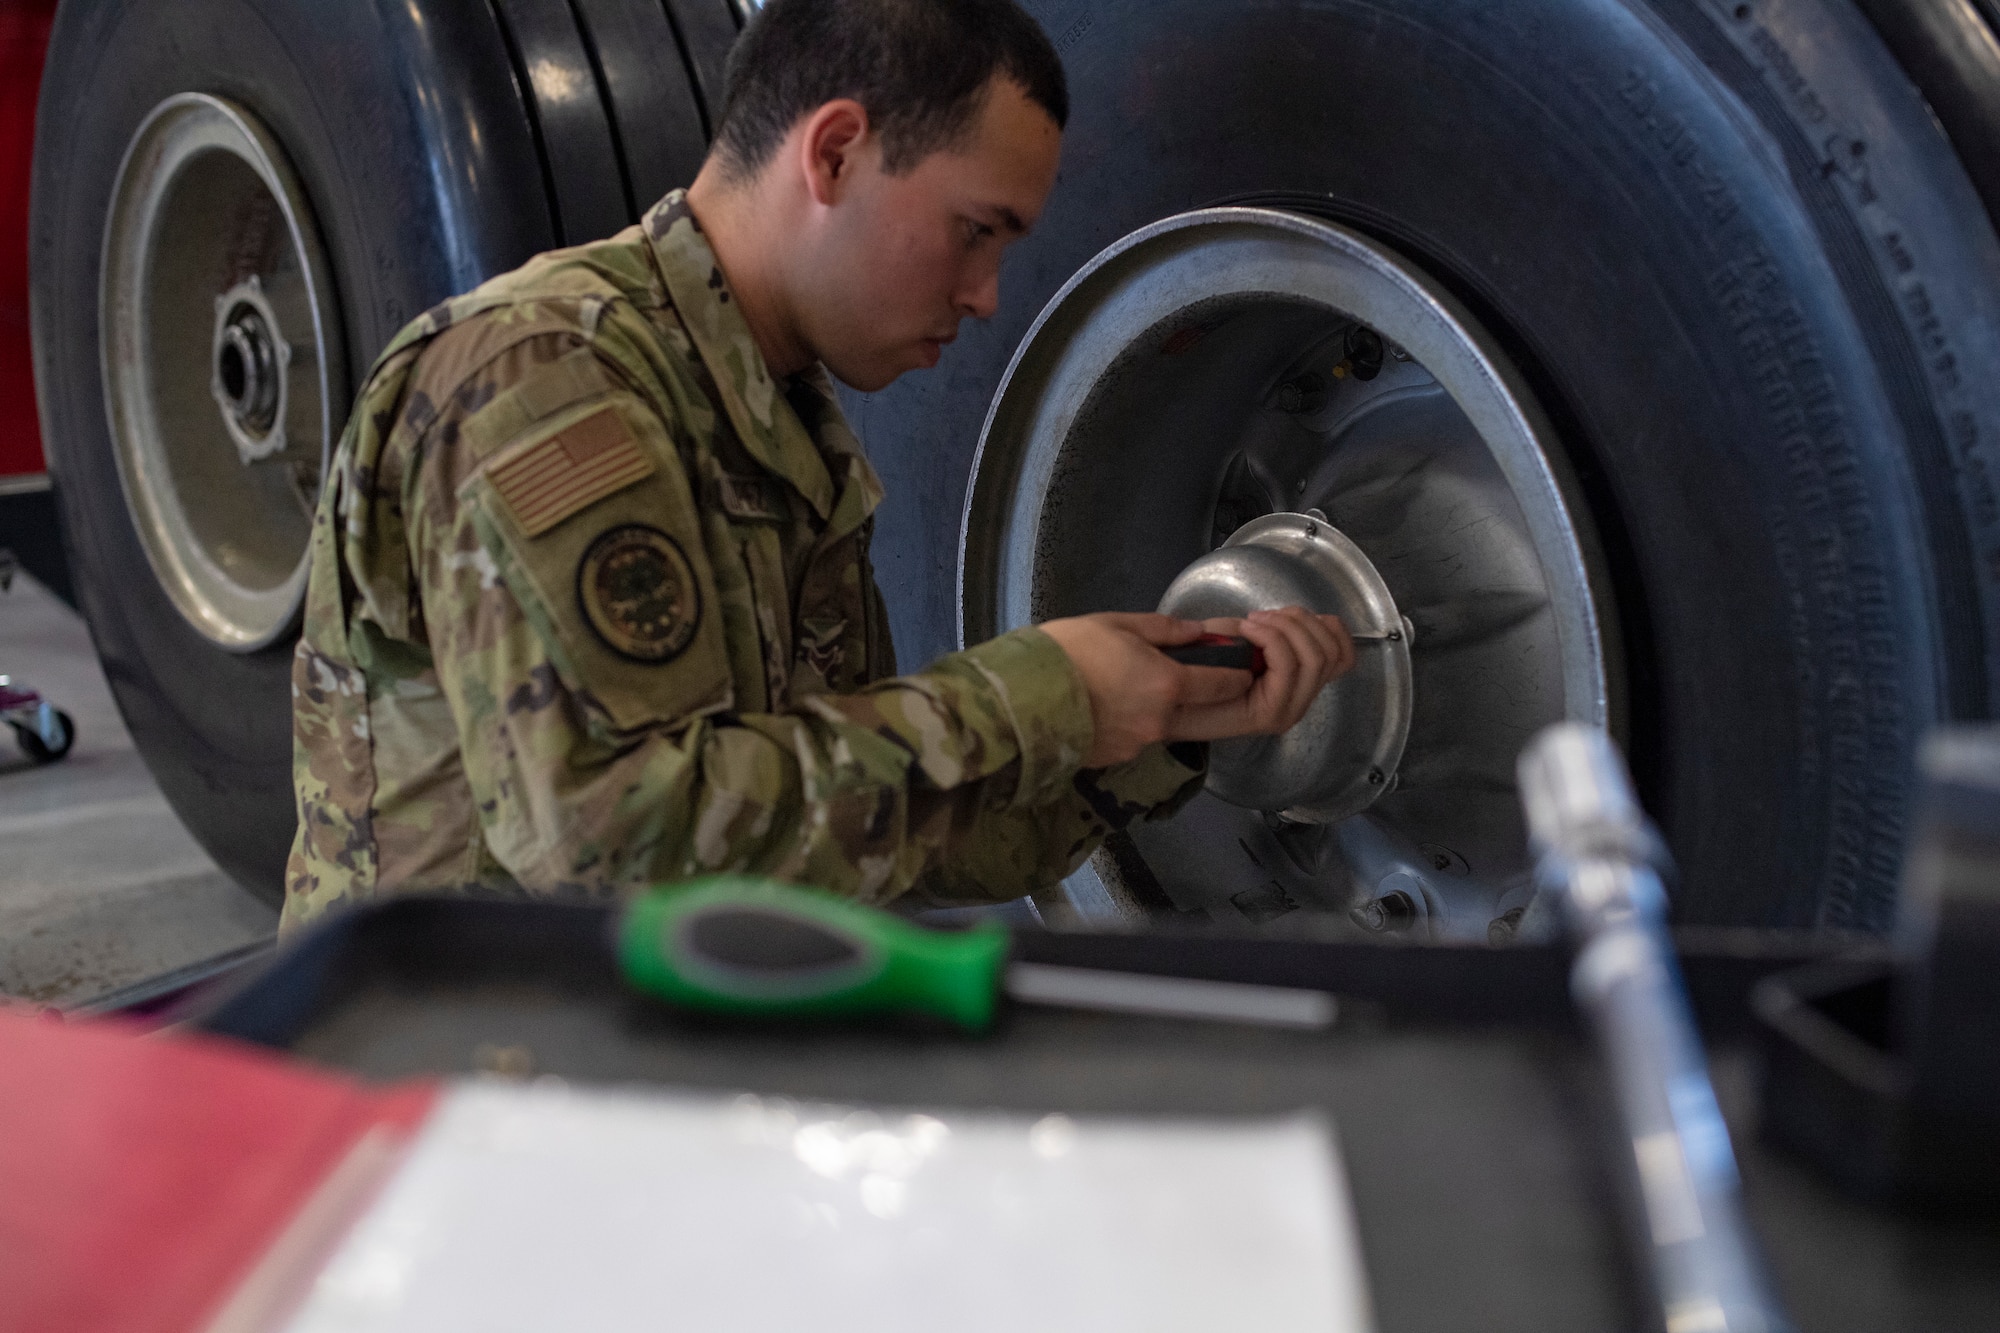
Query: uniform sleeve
[
  {"x": 994, "y": 851},
  {"x": 1002, "y": 853},
  {"x": 573, "y": 617}
]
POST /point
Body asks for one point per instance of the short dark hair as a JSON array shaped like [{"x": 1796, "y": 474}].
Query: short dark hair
[{"x": 920, "y": 67}]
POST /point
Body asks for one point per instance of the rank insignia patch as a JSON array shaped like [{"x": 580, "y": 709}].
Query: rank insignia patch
[
  {"x": 547, "y": 481},
  {"x": 749, "y": 497},
  {"x": 639, "y": 594}
]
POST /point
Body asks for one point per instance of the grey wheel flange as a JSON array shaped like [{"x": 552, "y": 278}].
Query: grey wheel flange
[
  {"x": 223, "y": 366},
  {"x": 1231, "y": 363}
]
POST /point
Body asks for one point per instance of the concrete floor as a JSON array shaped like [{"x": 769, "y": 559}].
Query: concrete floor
[{"x": 101, "y": 889}]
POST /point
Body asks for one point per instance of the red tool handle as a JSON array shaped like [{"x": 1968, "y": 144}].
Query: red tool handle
[{"x": 1220, "y": 650}]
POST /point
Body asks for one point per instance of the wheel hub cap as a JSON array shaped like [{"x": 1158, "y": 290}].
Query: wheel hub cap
[{"x": 1343, "y": 753}]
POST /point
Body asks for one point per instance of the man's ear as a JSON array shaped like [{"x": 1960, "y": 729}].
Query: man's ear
[{"x": 829, "y": 147}]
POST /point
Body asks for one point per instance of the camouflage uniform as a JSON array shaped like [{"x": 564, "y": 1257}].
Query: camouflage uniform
[{"x": 591, "y": 608}]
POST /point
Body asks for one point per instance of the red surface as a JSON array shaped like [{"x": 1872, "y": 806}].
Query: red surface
[
  {"x": 141, "y": 1177},
  {"x": 24, "y": 36}
]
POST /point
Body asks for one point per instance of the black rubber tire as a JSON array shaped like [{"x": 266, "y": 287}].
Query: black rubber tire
[
  {"x": 1953, "y": 54},
  {"x": 656, "y": 117},
  {"x": 417, "y": 197},
  {"x": 1749, "y": 280},
  {"x": 707, "y": 29},
  {"x": 40, "y": 750},
  {"x": 609, "y": 156}
]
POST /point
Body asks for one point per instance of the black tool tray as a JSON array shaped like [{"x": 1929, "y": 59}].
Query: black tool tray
[
  {"x": 1837, "y": 1094},
  {"x": 1471, "y": 1114}
]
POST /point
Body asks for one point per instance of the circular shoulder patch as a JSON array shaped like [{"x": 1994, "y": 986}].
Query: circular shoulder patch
[{"x": 638, "y": 593}]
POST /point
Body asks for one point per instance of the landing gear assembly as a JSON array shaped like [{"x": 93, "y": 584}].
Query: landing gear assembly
[
  {"x": 1696, "y": 485},
  {"x": 1635, "y": 345}
]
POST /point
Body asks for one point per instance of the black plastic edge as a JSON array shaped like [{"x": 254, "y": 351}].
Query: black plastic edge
[{"x": 439, "y": 939}]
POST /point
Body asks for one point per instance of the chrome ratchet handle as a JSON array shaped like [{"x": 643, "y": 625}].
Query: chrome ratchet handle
[{"x": 1597, "y": 856}]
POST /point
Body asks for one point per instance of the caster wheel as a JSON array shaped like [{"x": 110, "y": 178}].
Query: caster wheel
[{"x": 42, "y": 751}]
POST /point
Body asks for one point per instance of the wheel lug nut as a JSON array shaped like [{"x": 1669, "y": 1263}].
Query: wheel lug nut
[
  {"x": 1307, "y": 393},
  {"x": 1390, "y": 913}
]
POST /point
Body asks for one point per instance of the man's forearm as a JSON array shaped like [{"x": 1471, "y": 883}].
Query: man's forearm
[{"x": 859, "y": 793}]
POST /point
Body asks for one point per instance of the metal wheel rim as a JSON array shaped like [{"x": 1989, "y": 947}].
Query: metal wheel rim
[
  {"x": 1088, "y": 380},
  {"x": 208, "y": 221}
]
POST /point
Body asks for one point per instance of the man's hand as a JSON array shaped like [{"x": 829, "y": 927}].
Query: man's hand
[
  {"x": 1303, "y": 653},
  {"x": 1139, "y": 696}
]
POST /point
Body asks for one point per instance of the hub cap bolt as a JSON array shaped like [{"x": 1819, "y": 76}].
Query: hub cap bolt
[
  {"x": 1391, "y": 913},
  {"x": 1504, "y": 927}
]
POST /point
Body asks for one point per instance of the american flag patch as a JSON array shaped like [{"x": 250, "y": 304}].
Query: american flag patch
[{"x": 547, "y": 481}]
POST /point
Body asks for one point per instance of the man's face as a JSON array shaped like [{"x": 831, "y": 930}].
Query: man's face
[{"x": 902, "y": 259}]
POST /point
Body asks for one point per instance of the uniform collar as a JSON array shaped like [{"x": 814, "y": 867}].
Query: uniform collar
[
  {"x": 818, "y": 407},
  {"x": 766, "y": 423}
]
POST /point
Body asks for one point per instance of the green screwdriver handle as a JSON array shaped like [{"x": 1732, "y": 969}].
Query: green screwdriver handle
[{"x": 748, "y": 947}]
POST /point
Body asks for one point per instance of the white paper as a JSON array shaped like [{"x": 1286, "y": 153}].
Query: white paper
[{"x": 541, "y": 1208}]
